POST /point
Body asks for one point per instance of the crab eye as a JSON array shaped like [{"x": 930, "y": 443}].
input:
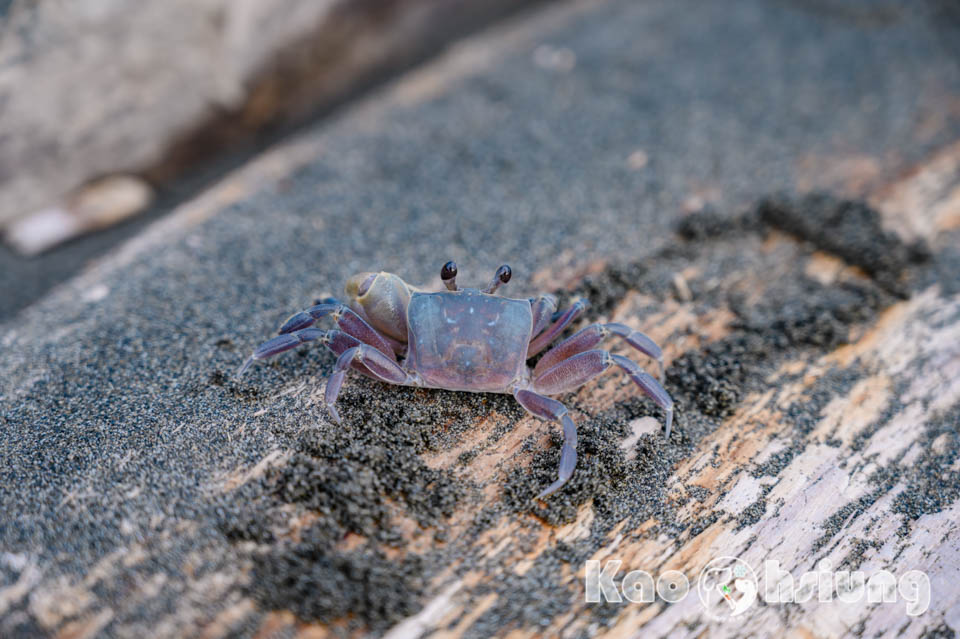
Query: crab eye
[
  {"x": 449, "y": 271},
  {"x": 367, "y": 283},
  {"x": 504, "y": 273}
]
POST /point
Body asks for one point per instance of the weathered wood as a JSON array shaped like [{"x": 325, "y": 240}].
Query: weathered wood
[
  {"x": 849, "y": 487},
  {"x": 899, "y": 417}
]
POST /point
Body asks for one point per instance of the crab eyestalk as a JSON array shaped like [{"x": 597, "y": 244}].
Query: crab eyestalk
[
  {"x": 448, "y": 274},
  {"x": 502, "y": 276},
  {"x": 382, "y": 299}
]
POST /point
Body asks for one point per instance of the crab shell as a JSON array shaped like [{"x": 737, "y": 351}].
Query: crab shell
[{"x": 458, "y": 340}]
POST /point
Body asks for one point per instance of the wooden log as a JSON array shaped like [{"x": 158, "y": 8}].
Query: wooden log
[
  {"x": 811, "y": 345},
  {"x": 817, "y": 423}
]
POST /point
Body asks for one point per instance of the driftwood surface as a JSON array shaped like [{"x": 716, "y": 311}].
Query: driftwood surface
[{"x": 802, "y": 280}]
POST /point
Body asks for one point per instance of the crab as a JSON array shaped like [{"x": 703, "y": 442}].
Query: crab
[{"x": 466, "y": 339}]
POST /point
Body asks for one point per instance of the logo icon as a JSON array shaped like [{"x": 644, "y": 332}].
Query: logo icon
[{"x": 727, "y": 587}]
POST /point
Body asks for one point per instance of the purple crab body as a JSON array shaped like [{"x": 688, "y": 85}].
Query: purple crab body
[{"x": 467, "y": 340}]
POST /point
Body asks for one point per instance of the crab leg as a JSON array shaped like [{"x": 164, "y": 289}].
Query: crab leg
[
  {"x": 593, "y": 335},
  {"x": 279, "y": 344},
  {"x": 379, "y": 365},
  {"x": 580, "y": 369},
  {"x": 541, "y": 342},
  {"x": 336, "y": 341},
  {"x": 543, "y": 309},
  {"x": 547, "y": 408},
  {"x": 346, "y": 318}
]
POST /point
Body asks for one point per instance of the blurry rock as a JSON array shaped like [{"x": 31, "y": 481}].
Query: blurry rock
[
  {"x": 98, "y": 205},
  {"x": 554, "y": 59},
  {"x": 98, "y": 87}
]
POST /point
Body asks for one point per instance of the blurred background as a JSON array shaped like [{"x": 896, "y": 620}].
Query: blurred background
[{"x": 112, "y": 113}]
